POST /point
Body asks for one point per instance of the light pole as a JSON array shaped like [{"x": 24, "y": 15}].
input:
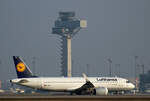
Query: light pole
[
  {"x": 143, "y": 68},
  {"x": 33, "y": 64},
  {"x": 110, "y": 63},
  {"x": 88, "y": 69},
  {"x": 135, "y": 57},
  {"x": 117, "y": 69}
]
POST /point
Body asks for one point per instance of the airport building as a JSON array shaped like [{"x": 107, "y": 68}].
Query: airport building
[{"x": 144, "y": 83}]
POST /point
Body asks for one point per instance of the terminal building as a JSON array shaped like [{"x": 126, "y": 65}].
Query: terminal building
[{"x": 144, "y": 83}]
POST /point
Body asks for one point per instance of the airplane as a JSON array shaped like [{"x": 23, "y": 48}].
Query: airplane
[{"x": 74, "y": 85}]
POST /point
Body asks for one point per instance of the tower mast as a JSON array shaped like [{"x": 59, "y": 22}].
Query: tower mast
[{"x": 67, "y": 26}]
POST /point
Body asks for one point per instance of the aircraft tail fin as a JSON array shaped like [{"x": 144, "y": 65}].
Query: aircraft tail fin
[{"x": 22, "y": 69}]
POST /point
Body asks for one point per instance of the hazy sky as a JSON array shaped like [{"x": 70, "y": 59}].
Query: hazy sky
[{"x": 117, "y": 29}]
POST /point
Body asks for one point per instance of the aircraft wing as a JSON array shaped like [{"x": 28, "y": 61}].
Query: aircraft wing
[{"x": 85, "y": 87}]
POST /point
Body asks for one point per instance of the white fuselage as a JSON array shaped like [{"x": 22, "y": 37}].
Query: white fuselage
[{"x": 73, "y": 83}]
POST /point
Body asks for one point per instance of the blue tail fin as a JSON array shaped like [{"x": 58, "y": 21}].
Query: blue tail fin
[{"x": 21, "y": 68}]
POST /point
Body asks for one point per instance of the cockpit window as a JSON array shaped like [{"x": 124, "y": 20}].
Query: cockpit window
[{"x": 128, "y": 81}]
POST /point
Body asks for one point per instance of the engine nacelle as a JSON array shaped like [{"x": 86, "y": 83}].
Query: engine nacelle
[{"x": 101, "y": 91}]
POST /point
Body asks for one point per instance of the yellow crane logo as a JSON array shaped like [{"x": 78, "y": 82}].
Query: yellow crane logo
[{"x": 21, "y": 67}]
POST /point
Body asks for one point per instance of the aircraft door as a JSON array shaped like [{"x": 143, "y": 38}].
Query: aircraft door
[{"x": 41, "y": 84}]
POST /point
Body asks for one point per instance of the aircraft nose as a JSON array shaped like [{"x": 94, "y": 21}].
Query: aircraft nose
[
  {"x": 13, "y": 81},
  {"x": 132, "y": 86}
]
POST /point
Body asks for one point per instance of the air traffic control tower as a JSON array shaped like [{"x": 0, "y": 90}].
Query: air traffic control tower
[{"x": 67, "y": 26}]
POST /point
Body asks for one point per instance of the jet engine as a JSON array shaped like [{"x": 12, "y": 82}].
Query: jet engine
[{"x": 101, "y": 91}]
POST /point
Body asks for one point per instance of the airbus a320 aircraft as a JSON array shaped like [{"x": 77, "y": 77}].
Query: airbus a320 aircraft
[{"x": 74, "y": 85}]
